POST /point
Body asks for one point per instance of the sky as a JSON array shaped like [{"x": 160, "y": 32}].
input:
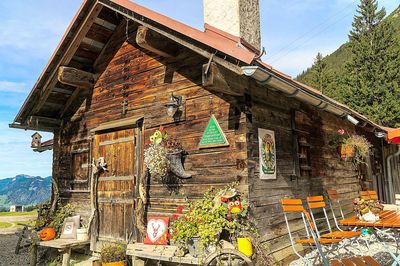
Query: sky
[{"x": 293, "y": 32}]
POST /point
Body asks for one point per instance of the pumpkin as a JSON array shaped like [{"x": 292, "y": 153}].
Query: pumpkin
[{"x": 47, "y": 234}]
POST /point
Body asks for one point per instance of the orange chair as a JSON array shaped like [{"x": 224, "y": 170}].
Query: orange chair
[
  {"x": 311, "y": 239},
  {"x": 317, "y": 203},
  {"x": 369, "y": 195},
  {"x": 355, "y": 261},
  {"x": 335, "y": 204}
]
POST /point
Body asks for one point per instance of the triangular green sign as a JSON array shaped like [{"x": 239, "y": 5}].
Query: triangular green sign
[{"x": 213, "y": 136}]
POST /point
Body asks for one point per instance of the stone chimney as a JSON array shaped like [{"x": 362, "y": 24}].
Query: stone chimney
[{"x": 240, "y": 18}]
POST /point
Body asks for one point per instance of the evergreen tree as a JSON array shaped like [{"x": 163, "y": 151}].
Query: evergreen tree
[
  {"x": 372, "y": 82},
  {"x": 319, "y": 77}
]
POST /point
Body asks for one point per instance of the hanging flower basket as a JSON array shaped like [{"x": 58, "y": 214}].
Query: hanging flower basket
[
  {"x": 346, "y": 151},
  {"x": 164, "y": 155}
]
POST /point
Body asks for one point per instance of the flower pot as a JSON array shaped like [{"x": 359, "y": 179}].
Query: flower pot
[
  {"x": 346, "y": 151},
  {"x": 194, "y": 247},
  {"x": 118, "y": 263},
  {"x": 370, "y": 217},
  {"x": 244, "y": 246},
  {"x": 82, "y": 234}
]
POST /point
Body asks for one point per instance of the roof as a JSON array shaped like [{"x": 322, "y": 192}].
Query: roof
[
  {"x": 44, "y": 146},
  {"x": 219, "y": 43}
]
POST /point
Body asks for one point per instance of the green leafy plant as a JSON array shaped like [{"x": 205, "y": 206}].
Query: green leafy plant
[
  {"x": 113, "y": 253},
  {"x": 205, "y": 218},
  {"x": 55, "y": 220},
  {"x": 361, "y": 145}
]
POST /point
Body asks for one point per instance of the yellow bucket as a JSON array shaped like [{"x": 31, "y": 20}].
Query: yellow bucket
[{"x": 244, "y": 246}]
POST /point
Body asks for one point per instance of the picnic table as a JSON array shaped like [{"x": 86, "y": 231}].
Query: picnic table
[
  {"x": 140, "y": 251},
  {"x": 65, "y": 246}
]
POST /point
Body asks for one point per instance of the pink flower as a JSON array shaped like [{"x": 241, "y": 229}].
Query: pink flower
[{"x": 341, "y": 131}]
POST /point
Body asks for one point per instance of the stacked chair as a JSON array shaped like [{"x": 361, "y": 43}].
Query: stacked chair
[{"x": 326, "y": 240}]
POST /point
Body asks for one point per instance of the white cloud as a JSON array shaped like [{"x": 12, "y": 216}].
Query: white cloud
[{"x": 10, "y": 86}]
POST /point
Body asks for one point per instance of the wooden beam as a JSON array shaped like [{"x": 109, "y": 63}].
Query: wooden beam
[
  {"x": 220, "y": 79},
  {"x": 61, "y": 90},
  {"x": 153, "y": 42},
  {"x": 70, "y": 52},
  {"x": 71, "y": 99},
  {"x": 96, "y": 44},
  {"x": 29, "y": 127},
  {"x": 105, "y": 24},
  {"x": 48, "y": 120},
  {"x": 168, "y": 34},
  {"x": 75, "y": 77},
  {"x": 103, "y": 54}
]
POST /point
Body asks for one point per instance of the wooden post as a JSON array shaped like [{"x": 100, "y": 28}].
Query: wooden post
[
  {"x": 137, "y": 261},
  {"x": 33, "y": 254},
  {"x": 66, "y": 256}
]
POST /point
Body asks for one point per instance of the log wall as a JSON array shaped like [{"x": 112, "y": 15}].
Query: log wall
[
  {"x": 137, "y": 83},
  {"x": 146, "y": 81},
  {"x": 272, "y": 111}
]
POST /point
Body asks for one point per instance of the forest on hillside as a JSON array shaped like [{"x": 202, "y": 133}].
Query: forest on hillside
[{"x": 364, "y": 72}]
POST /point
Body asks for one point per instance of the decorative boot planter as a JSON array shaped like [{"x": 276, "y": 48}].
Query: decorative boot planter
[{"x": 175, "y": 165}]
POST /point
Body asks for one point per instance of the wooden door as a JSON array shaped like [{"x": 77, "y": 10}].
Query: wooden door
[{"x": 116, "y": 187}]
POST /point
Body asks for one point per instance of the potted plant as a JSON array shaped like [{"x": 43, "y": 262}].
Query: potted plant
[
  {"x": 367, "y": 210},
  {"x": 113, "y": 255},
  {"x": 199, "y": 227},
  {"x": 351, "y": 146},
  {"x": 163, "y": 155}
]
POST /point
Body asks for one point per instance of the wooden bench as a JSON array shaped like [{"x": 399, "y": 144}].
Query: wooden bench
[
  {"x": 65, "y": 246},
  {"x": 140, "y": 251},
  {"x": 355, "y": 261}
]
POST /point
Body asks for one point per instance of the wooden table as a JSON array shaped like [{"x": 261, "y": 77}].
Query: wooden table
[
  {"x": 64, "y": 246},
  {"x": 140, "y": 251},
  {"x": 388, "y": 219}
]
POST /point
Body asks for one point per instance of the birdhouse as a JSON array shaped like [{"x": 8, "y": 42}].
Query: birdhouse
[{"x": 36, "y": 140}]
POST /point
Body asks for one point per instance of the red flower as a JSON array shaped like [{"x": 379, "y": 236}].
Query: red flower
[
  {"x": 224, "y": 199},
  {"x": 229, "y": 217},
  {"x": 180, "y": 209},
  {"x": 161, "y": 129},
  {"x": 175, "y": 216},
  {"x": 148, "y": 142},
  {"x": 341, "y": 131}
]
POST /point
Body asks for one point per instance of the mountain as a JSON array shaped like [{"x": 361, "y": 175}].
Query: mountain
[
  {"x": 24, "y": 190},
  {"x": 336, "y": 62}
]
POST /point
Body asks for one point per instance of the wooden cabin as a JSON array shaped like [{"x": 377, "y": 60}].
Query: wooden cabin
[{"x": 104, "y": 93}]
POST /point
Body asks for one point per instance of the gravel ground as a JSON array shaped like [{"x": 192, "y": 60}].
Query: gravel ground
[{"x": 7, "y": 255}]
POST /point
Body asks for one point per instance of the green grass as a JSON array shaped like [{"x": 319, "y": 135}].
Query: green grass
[
  {"x": 5, "y": 224},
  {"x": 20, "y": 224},
  {"x": 18, "y": 213}
]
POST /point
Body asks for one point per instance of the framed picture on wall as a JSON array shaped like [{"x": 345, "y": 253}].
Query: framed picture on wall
[{"x": 267, "y": 153}]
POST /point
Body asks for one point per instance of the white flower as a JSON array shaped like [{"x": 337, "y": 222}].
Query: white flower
[{"x": 155, "y": 158}]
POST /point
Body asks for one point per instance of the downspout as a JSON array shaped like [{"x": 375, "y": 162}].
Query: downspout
[{"x": 390, "y": 174}]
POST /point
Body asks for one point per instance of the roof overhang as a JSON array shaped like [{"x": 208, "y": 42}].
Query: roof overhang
[{"x": 291, "y": 88}]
